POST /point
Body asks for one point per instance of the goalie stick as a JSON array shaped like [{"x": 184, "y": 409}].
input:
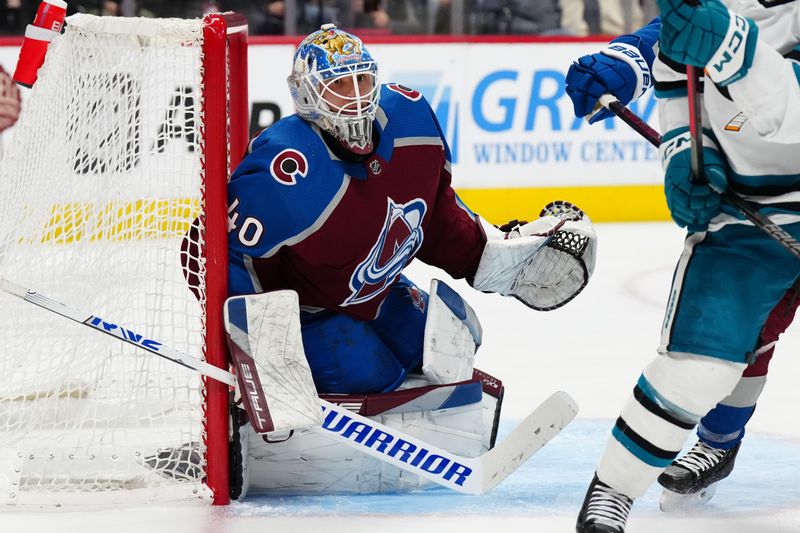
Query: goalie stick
[
  {"x": 123, "y": 334},
  {"x": 759, "y": 220},
  {"x": 469, "y": 475}
]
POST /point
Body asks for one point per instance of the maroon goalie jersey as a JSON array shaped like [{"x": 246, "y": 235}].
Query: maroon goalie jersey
[{"x": 305, "y": 215}]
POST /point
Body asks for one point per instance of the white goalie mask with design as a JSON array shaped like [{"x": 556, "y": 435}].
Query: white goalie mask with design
[{"x": 334, "y": 84}]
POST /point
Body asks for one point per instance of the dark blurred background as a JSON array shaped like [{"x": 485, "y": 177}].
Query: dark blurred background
[{"x": 377, "y": 17}]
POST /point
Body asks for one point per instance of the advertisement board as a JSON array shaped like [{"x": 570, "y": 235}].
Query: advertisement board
[{"x": 515, "y": 141}]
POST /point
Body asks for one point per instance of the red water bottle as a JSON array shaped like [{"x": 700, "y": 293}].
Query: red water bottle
[{"x": 47, "y": 24}]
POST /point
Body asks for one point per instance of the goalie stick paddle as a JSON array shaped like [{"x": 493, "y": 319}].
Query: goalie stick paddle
[
  {"x": 469, "y": 475},
  {"x": 474, "y": 475},
  {"x": 758, "y": 219}
]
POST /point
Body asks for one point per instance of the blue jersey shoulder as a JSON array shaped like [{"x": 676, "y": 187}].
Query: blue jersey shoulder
[
  {"x": 407, "y": 111},
  {"x": 281, "y": 187},
  {"x": 408, "y": 114}
]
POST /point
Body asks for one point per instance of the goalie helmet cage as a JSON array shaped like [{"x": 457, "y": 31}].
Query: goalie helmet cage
[{"x": 113, "y": 200}]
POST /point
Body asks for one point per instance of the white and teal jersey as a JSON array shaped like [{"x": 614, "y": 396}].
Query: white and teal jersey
[{"x": 755, "y": 120}]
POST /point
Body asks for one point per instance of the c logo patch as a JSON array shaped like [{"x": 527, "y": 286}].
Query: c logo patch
[
  {"x": 287, "y": 165},
  {"x": 411, "y": 94}
]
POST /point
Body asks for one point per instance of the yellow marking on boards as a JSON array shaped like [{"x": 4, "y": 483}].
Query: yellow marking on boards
[{"x": 628, "y": 203}]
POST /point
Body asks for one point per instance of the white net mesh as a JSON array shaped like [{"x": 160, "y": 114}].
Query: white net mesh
[{"x": 98, "y": 188}]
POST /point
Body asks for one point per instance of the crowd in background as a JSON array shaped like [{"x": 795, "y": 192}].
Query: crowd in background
[{"x": 298, "y": 17}]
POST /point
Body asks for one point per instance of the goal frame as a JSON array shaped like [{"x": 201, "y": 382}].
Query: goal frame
[
  {"x": 138, "y": 225},
  {"x": 225, "y": 112}
]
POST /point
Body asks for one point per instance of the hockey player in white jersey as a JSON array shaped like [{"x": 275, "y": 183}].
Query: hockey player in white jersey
[
  {"x": 623, "y": 69},
  {"x": 752, "y": 145}
]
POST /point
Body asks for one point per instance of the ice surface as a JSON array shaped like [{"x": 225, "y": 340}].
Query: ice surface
[{"x": 594, "y": 348}]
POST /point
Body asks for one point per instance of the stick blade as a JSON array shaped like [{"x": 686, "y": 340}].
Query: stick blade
[{"x": 544, "y": 423}]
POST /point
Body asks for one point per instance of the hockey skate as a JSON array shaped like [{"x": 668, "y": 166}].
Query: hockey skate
[
  {"x": 604, "y": 510},
  {"x": 690, "y": 482}
]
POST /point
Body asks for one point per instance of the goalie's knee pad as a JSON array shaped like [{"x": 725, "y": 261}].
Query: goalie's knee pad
[{"x": 452, "y": 335}]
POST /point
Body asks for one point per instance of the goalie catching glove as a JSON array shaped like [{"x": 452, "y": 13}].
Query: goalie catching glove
[{"x": 544, "y": 263}]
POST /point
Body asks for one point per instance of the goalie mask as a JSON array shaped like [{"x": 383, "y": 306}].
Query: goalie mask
[{"x": 334, "y": 84}]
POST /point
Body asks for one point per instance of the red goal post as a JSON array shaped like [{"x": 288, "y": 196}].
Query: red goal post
[
  {"x": 226, "y": 141},
  {"x": 127, "y": 138}
]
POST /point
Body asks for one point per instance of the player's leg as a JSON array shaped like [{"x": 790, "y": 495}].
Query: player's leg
[
  {"x": 437, "y": 333},
  {"x": 347, "y": 356},
  {"x": 720, "y": 434},
  {"x": 712, "y": 323},
  {"x": 721, "y": 431},
  {"x": 690, "y": 481},
  {"x": 399, "y": 332},
  {"x": 400, "y": 323},
  {"x": 724, "y": 426},
  {"x": 669, "y": 399}
]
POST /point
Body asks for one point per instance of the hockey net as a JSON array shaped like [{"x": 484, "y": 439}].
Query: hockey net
[{"x": 123, "y": 142}]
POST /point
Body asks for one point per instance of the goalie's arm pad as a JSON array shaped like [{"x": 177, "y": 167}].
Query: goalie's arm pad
[{"x": 544, "y": 263}]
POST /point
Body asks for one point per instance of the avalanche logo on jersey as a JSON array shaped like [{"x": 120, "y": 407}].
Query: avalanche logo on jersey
[
  {"x": 399, "y": 239},
  {"x": 287, "y": 165}
]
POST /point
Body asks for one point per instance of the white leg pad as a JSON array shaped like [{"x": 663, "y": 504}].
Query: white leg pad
[
  {"x": 624, "y": 472},
  {"x": 245, "y": 432},
  {"x": 265, "y": 328},
  {"x": 310, "y": 462},
  {"x": 684, "y": 385},
  {"x": 452, "y": 335},
  {"x": 692, "y": 384}
]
